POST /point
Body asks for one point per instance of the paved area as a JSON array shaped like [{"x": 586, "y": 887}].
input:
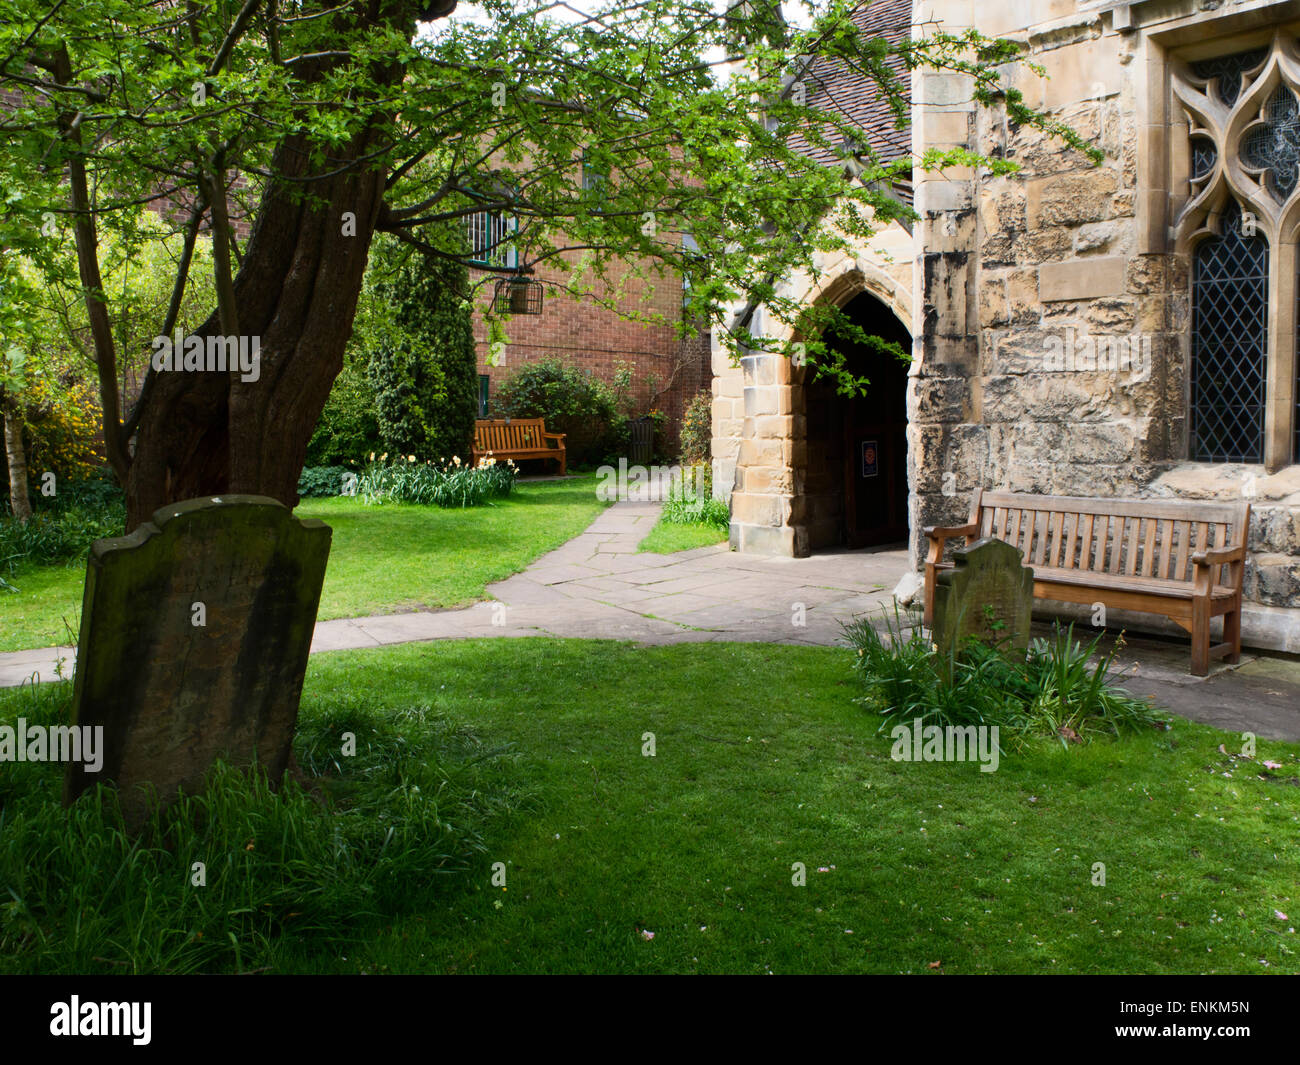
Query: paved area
[{"x": 597, "y": 586}]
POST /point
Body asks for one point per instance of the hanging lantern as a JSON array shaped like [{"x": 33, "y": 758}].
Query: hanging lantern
[{"x": 517, "y": 295}]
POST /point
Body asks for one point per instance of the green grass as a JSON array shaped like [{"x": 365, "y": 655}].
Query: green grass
[
  {"x": 762, "y": 760},
  {"x": 46, "y": 606},
  {"x": 667, "y": 538},
  {"x": 383, "y": 559},
  {"x": 399, "y": 557}
]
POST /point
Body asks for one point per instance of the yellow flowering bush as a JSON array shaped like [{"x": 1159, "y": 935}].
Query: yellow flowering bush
[{"x": 61, "y": 430}]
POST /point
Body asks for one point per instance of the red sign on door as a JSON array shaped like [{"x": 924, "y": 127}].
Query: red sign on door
[{"x": 870, "y": 459}]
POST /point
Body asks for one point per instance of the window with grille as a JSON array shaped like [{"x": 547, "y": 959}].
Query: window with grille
[
  {"x": 1229, "y": 344},
  {"x": 1243, "y": 169},
  {"x": 489, "y": 239}
]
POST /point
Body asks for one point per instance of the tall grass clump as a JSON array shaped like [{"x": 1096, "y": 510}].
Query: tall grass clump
[
  {"x": 453, "y": 484},
  {"x": 1056, "y": 690},
  {"x": 693, "y": 504},
  {"x": 304, "y": 867}
]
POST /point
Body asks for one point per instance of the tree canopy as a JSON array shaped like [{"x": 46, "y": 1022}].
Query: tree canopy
[{"x": 323, "y": 122}]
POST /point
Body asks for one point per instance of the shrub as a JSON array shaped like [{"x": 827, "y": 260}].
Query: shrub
[
  {"x": 422, "y": 362},
  {"x": 409, "y": 383},
  {"x": 348, "y": 427},
  {"x": 697, "y": 430},
  {"x": 62, "y": 528},
  {"x": 453, "y": 485},
  {"x": 572, "y": 401},
  {"x": 322, "y": 480},
  {"x": 61, "y": 418},
  {"x": 1052, "y": 692}
]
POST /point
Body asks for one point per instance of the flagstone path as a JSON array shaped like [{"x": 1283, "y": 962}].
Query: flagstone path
[{"x": 597, "y": 585}]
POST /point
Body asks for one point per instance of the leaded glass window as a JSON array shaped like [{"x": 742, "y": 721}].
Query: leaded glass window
[
  {"x": 1229, "y": 344},
  {"x": 1227, "y": 71},
  {"x": 1238, "y": 226},
  {"x": 1274, "y": 146}
]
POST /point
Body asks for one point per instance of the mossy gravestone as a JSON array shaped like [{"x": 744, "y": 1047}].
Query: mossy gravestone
[
  {"x": 988, "y": 594},
  {"x": 195, "y": 632}
]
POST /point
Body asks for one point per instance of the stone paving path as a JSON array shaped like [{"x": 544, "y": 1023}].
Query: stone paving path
[{"x": 596, "y": 585}]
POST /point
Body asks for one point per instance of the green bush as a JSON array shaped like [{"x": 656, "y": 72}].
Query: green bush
[
  {"x": 453, "y": 485},
  {"x": 409, "y": 383},
  {"x": 348, "y": 428},
  {"x": 323, "y": 480},
  {"x": 573, "y": 402},
  {"x": 422, "y": 363},
  {"x": 1052, "y": 692},
  {"x": 62, "y": 527},
  {"x": 697, "y": 430}
]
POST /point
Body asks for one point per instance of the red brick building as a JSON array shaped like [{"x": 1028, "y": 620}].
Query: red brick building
[{"x": 666, "y": 371}]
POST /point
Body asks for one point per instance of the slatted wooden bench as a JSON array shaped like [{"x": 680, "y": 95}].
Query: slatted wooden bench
[
  {"x": 1184, "y": 560},
  {"x": 517, "y": 438}
]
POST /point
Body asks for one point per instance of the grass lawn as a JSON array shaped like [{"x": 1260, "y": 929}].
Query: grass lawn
[
  {"x": 667, "y": 538},
  {"x": 762, "y": 760},
  {"x": 43, "y": 610},
  {"x": 384, "y": 559},
  {"x": 397, "y": 557}
]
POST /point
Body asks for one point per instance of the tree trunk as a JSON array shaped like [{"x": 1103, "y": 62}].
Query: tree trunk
[
  {"x": 19, "y": 501},
  {"x": 202, "y": 434},
  {"x": 212, "y": 433}
]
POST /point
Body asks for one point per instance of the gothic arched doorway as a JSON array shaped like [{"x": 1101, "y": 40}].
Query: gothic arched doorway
[{"x": 855, "y": 478}]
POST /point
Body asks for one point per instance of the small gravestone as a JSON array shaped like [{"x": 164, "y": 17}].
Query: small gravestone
[
  {"x": 195, "y": 632},
  {"x": 988, "y": 594}
]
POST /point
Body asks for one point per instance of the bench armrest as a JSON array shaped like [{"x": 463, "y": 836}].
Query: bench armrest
[
  {"x": 1218, "y": 556},
  {"x": 938, "y": 535},
  {"x": 555, "y": 436}
]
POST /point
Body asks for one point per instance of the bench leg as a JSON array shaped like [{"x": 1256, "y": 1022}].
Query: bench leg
[
  {"x": 1232, "y": 636},
  {"x": 1200, "y": 637},
  {"x": 930, "y": 573}
]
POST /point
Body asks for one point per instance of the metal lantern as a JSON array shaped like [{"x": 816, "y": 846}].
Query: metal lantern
[{"x": 517, "y": 295}]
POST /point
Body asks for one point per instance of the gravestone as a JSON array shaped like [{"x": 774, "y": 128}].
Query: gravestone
[
  {"x": 195, "y": 632},
  {"x": 988, "y": 594}
]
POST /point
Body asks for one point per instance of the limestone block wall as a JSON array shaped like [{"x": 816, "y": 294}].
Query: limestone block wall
[
  {"x": 1054, "y": 309},
  {"x": 761, "y": 457}
]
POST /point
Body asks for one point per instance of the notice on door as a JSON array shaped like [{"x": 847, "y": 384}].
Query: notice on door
[{"x": 870, "y": 459}]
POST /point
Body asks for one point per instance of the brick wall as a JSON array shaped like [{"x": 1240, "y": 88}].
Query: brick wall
[{"x": 597, "y": 339}]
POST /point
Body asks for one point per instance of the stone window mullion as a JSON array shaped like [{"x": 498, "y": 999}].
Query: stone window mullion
[{"x": 1243, "y": 155}]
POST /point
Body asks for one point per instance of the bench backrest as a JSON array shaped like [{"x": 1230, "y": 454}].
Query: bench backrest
[
  {"x": 1134, "y": 537},
  {"x": 516, "y": 434}
]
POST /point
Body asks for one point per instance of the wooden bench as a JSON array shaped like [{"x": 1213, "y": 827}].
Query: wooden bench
[
  {"x": 1184, "y": 560},
  {"x": 516, "y": 438}
]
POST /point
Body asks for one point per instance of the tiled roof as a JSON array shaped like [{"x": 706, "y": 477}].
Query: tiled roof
[{"x": 832, "y": 87}]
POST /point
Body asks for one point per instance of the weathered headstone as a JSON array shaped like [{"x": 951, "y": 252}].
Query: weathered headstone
[
  {"x": 987, "y": 594},
  {"x": 195, "y": 632}
]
